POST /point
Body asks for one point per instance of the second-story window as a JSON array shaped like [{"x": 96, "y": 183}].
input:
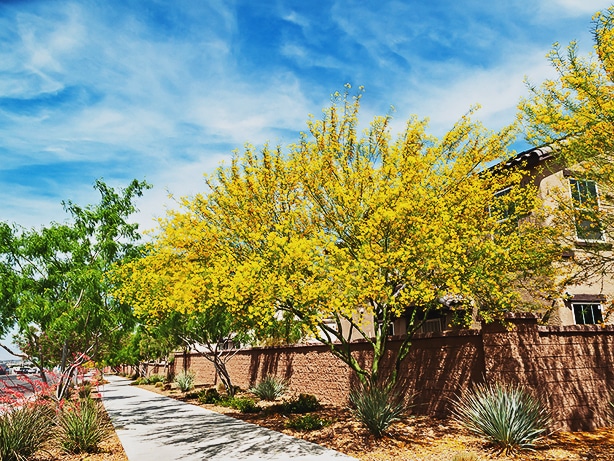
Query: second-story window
[
  {"x": 502, "y": 207},
  {"x": 586, "y": 209}
]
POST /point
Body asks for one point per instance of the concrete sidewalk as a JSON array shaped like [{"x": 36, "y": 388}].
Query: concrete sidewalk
[{"x": 152, "y": 427}]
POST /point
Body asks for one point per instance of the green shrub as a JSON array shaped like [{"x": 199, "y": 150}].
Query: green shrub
[
  {"x": 209, "y": 396},
  {"x": 307, "y": 423},
  {"x": 185, "y": 380},
  {"x": 304, "y": 403},
  {"x": 23, "y": 430},
  {"x": 504, "y": 414},
  {"x": 244, "y": 405},
  {"x": 270, "y": 388},
  {"x": 82, "y": 426},
  {"x": 191, "y": 395},
  {"x": 155, "y": 379},
  {"x": 377, "y": 407}
]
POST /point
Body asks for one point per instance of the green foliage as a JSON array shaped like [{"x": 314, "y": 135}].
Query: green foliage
[
  {"x": 59, "y": 295},
  {"x": 82, "y": 426},
  {"x": 308, "y": 422},
  {"x": 304, "y": 403},
  {"x": 377, "y": 407},
  {"x": 210, "y": 396},
  {"x": 153, "y": 379},
  {"x": 270, "y": 388},
  {"x": 185, "y": 380},
  {"x": 504, "y": 414},
  {"x": 23, "y": 431},
  {"x": 243, "y": 404}
]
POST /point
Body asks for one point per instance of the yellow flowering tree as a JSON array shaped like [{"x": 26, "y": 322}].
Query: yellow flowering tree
[
  {"x": 574, "y": 113},
  {"x": 345, "y": 232}
]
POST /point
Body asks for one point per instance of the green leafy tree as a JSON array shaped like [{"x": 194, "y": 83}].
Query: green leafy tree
[{"x": 54, "y": 286}]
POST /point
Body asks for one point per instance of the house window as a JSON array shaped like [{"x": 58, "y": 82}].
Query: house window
[
  {"x": 502, "y": 208},
  {"x": 587, "y": 313},
  {"x": 586, "y": 205}
]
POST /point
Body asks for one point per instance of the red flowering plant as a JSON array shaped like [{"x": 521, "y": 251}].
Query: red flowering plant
[
  {"x": 26, "y": 416},
  {"x": 18, "y": 390}
]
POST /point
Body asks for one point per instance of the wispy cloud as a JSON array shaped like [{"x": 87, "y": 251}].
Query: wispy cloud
[{"x": 165, "y": 90}]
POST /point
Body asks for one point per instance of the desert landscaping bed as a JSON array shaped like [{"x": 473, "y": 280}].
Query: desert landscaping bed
[{"x": 417, "y": 438}]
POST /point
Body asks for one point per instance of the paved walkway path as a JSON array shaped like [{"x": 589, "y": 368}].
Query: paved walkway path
[{"x": 152, "y": 427}]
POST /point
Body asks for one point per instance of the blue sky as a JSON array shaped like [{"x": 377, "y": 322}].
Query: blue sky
[{"x": 166, "y": 90}]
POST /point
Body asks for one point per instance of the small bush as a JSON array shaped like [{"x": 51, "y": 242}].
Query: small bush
[
  {"x": 243, "y": 404},
  {"x": 155, "y": 379},
  {"x": 23, "y": 430},
  {"x": 209, "y": 396},
  {"x": 377, "y": 407},
  {"x": 185, "y": 380},
  {"x": 307, "y": 423},
  {"x": 82, "y": 426},
  {"x": 304, "y": 403},
  {"x": 270, "y": 388},
  {"x": 506, "y": 415}
]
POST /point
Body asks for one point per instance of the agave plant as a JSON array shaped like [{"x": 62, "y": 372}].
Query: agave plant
[
  {"x": 377, "y": 407},
  {"x": 270, "y": 388},
  {"x": 185, "y": 380},
  {"x": 504, "y": 414}
]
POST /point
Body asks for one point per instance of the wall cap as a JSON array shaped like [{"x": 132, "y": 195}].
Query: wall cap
[{"x": 608, "y": 329}]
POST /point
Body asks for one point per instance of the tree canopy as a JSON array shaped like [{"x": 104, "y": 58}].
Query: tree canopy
[
  {"x": 344, "y": 232},
  {"x": 54, "y": 288},
  {"x": 574, "y": 113}
]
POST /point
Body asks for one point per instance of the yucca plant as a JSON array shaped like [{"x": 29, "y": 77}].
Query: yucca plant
[
  {"x": 377, "y": 407},
  {"x": 82, "y": 426},
  {"x": 270, "y": 388},
  {"x": 505, "y": 414},
  {"x": 23, "y": 430},
  {"x": 185, "y": 380}
]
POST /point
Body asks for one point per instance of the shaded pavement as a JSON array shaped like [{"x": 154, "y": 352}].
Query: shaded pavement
[{"x": 152, "y": 427}]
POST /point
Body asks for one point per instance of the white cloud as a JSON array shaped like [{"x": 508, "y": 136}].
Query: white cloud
[
  {"x": 497, "y": 90},
  {"x": 574, "y": 7}
]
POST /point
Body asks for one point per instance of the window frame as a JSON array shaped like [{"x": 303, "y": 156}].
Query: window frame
[
  {"x": 593, "y": 305},
  {"x": 507, "y": 211},
  {"x": 577, "y": 207}
]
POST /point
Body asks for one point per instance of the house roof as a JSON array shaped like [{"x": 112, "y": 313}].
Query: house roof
[{"x": 531, "y": 157}]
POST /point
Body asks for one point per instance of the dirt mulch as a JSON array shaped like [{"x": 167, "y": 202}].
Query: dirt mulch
[
  {"x": 417, "y": 438},
  {"x": 420, "y": 438}
]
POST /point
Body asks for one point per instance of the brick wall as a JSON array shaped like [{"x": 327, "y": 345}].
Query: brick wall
[{"x": 570, "y": 366}]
